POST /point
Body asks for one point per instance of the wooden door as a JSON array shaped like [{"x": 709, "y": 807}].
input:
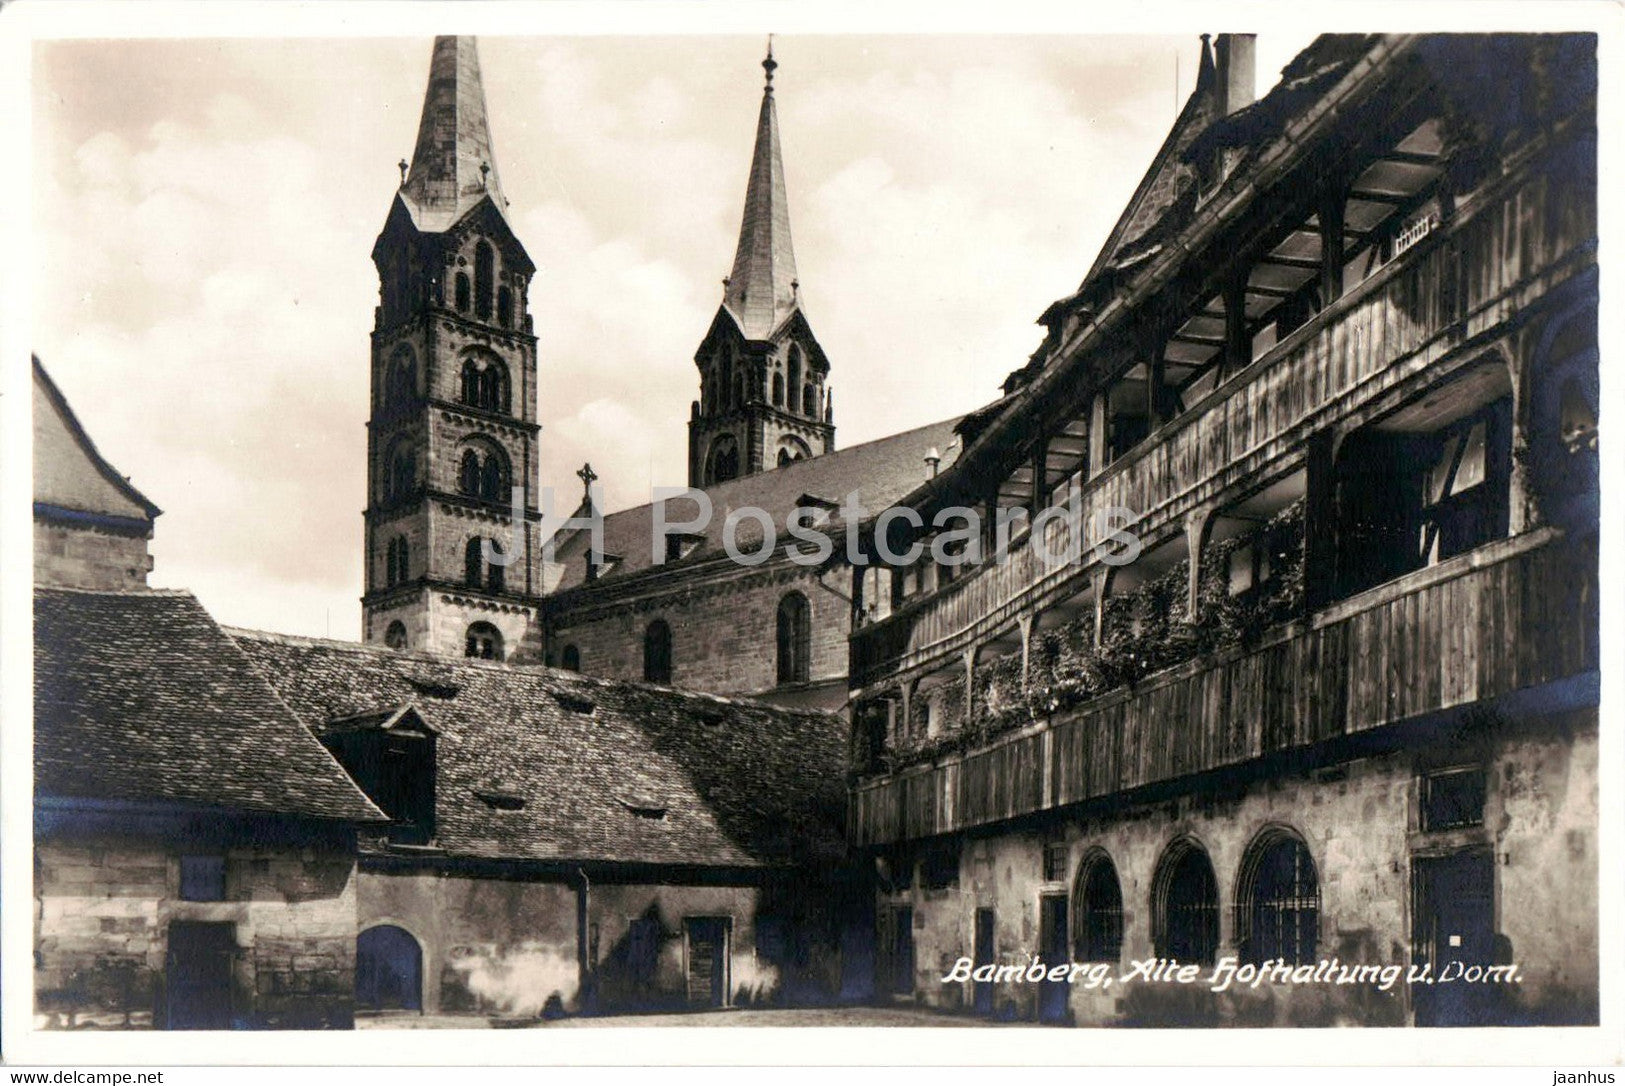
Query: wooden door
[
  {"x": 197, "y": 975},
  {"x": 707, "y": 938},
  {"x": 1052, "y": 949},
  {"x": 1454, "y": 928},
  {"x": 983, "y": 954}
]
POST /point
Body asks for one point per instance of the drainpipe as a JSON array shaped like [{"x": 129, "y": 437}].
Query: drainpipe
[{"x": 584, "y": 986}]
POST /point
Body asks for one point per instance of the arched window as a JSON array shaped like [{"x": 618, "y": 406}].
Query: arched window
[
  {"x": 725, "y": 393},
  {"x": 468, "y": 473},
  {"x": 401, "y": 473},
  {"x": 784, "y": 457},
  {"x": 400, "y": 384},
  {"x": 496, "y": 574},
  {"x": 778, "y": 390},
  {"x": 493, "y": 478},
  {"x": 505, "y": 307},
  {"x": 485, "y": 384},
  {"x": 1277, "y": 899},
  {"x": 795, "y": 377},
  {"x": 724, "y": 459},
  {"x": 398, "y": 561},
  {"x": 570, "y": 658},
  {"x": 809, "y": 400},
  {"x": 473, "y": 562},
  {"x": 1097, "y": 903},
  {"x": 484, "y": 273},
  {"x": 483, "y": 642},
  {"x": 462, "y": 292},
  {"x": 388, "y": 969},
  {"x": 483, "y": 476},
  {"x": 1185, "y": 905},
  {"x": 395, "y": 636},
  {"x": 794, "y": 638},
  {"x": 657, "y": 652}
]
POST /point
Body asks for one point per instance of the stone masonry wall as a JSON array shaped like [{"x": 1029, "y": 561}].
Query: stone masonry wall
[
  {"x": 79, "y": 557},
  {"x": 1360, "y": 823},
  {"x": 103, "y": 908}
]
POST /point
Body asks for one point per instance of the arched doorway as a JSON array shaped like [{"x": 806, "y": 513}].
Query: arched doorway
[{"x": 388, "y": 970}]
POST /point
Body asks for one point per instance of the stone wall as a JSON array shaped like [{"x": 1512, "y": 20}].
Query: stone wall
[
  {"x": 724, "y": 632},
  {"x": 1360, "y": 823},
  {"x": 103, "y": 909},
  {"x": 74, "y": 556}
]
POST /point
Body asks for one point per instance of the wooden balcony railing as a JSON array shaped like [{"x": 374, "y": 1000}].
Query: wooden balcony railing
[
  {"x": 1512, "y": 615},
  {"x": 1505, "y": 248}
]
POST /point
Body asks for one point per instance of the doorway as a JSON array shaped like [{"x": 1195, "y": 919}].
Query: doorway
[
  {"x": 1052, "y": 950},
  {"x": 1454, "y": 929},
  {"x": 707, "y": 949},
  {"x": 197, "y": 974},
  {"x": 388, "y": 970},
  {"x": 982, "y": 950}
]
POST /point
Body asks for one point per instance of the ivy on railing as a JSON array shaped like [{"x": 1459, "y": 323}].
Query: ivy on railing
[{"x": 1142, "y": 631}]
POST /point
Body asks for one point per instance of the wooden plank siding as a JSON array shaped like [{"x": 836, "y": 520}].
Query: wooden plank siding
[
  {"x": 1511, "y": 615},
  {"x": 1443, "y": 300}
]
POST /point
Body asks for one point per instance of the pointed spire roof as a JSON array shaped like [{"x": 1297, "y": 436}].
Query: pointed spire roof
[
  {"x": 453, "y": 165},
  {"x": 762, "y": 290}
]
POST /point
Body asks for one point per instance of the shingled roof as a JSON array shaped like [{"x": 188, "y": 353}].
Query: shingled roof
[
  {"x": 881, "y": 471},
  {"x": 139, "y": 696},
  {"x": 606, "y": 771}
]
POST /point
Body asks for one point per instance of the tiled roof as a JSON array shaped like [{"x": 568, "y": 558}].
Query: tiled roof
[
  {"x": 140, "y": 696},
  {"x": 739, "y": 783},
  {"x": 880, "y": 471},
  {"x": 69, "y": 474}
]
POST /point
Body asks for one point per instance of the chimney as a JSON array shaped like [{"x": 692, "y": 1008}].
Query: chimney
[{"x": 1235, "y": 58}]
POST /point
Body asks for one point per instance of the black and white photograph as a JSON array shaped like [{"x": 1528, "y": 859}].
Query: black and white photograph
[{"x": 548, "y": 522}]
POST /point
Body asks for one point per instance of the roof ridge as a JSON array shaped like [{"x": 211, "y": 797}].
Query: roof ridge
[{"x": 140, "y": 590}]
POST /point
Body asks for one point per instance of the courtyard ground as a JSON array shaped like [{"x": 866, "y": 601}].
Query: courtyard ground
[{"x": 820, "y": 1016}]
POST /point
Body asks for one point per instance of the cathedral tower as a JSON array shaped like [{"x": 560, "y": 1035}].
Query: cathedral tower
[
  {"x": 763, "y": 396},
  {"x": 451, "y": 444}
]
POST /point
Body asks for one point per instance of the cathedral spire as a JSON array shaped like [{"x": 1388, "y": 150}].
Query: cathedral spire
[
  {"x": 453, "y": 165},
  {"x": 762, "y": 289}
]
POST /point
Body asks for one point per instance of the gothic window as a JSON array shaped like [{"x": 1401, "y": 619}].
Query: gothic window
[
  {"x": 784, "y": 457},
  {"x": 1097, "y": 923},
  {"x": 809, "y": 401},
  {"x": 395, "y": 636},
  {"x": 724, "y": 459},
  {"x": 795, "y": 378},
  {"x": 483, "y": 642},
  {"x": 484, "y": 272},
  {"x": 726, "y": 383},
  {"x": 794, "y": 638},
  {"x": 485, "y": 384},
  {"x": 657, "y": 652},
  {"x": 505, "y": 307},
  {"x": 570, "y": 658},
  {"x": 1277, "y": 900},
  {"x": 1185, "y": 905},
  {"x": 462, "y": 292},
  {"x": 401, "y": 473},
  {"x": 778, "y": 390}
]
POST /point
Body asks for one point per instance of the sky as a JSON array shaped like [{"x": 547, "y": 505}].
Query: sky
[{"x": 204, "y": 213}]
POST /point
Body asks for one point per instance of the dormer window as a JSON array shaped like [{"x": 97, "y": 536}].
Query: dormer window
[{"x": 390, "y": 753}]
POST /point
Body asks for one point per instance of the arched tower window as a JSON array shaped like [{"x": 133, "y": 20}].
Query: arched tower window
[
  {"x": 505, "y": 307},
  {"x": 724, "y": 459},
  {"x": 570, "y": 658},
  {"x": 483, "y": 641},
  {"x": 395, "y": 636},
  {"x": 485, "y": 384},
  {"x": 1097, "y": 917},
  {"x": 809, "y": 400},
  {"x": 1185, "y": 905},
  {"x": 795, "y": 378},
  {"x": 726, "y": 383},
  {"x": 484, "y": 273},
  {"x": 784, "y": 457},
  {"x": 400, "y": 473},
  {"x": 794, "y": 638},
  {"x": 657, "y": 652},
  {"x": 473, "y": 562},
  {"x": 388, "y": 969},
  {"x": 482, "y": 472},
  {"x": 462, "y": 292},
  {"x": 1277, "y": 899},
  {"x": 398, "y": 561},
  {"x": 400, "y": 382},
  {"x": 778, "y": 390}
]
